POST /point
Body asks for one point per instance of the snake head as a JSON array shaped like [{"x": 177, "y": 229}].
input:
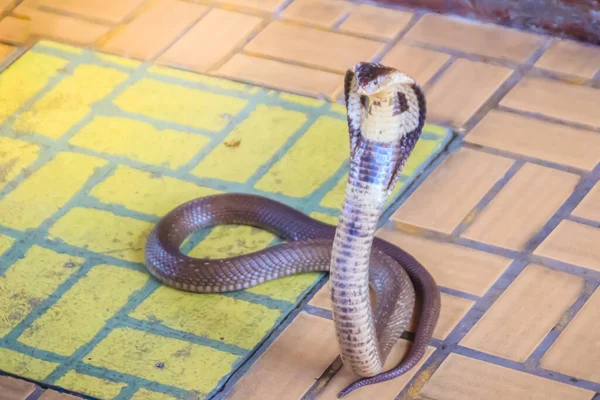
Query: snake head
[{"x": 372, "y": 78}]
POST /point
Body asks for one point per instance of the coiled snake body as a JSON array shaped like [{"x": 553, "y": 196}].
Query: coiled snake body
[{"x": 386, "y": 113}]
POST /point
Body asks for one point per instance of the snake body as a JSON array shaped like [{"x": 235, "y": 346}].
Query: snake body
[{"x": 386, "y": 113}]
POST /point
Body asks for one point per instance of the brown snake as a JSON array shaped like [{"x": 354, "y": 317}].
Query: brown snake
[{"x": 386, "y": 114}]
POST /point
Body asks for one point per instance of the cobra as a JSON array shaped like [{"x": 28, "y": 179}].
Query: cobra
[{"x": 373, "y": 283}]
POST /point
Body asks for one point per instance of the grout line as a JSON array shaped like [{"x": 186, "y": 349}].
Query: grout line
[
  {"x": 416, "y": 16},
  {"x": 439, "y": 73},
  {"x": 458, "y": 293},
  {"x": 581, "y": 190},
  {"x": 517, "y": 366},
  {"x": 321, "y": 382},
  {"x": 423, "y": 375},
  {"x": 433, "y": 164},
  {"x": 587, "y": 291},
  {"x": 239, "y": 46},
  {"x": 538, "y": 72},
  {"x": 563, "y": 266},
  {"x": 584, "y": 221},
  {"x": 524, "y": 158},
  {"x": 37, "y": 392},
  {"x": 547, "y": 118},
  {"x": 505, "y": 87},
  {"x": 500, "y": 62},
  {"x": 183, "y": 32},
  {"x": 127, "y": 392},
  {"x": 322, "y": 68},
  {"x": 335, "y": 27},
  {"x": 487, "y": 199},
  {"x": 74, "y": 15}
]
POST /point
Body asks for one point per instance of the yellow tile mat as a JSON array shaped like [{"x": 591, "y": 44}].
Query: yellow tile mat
[{"x": 93, "y": 150}]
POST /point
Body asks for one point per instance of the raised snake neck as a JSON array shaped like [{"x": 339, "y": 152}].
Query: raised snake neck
[{"x": 386, "y": 113}]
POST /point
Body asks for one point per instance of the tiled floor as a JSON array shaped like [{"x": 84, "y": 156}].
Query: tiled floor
[{"x": 507, "y": 219}]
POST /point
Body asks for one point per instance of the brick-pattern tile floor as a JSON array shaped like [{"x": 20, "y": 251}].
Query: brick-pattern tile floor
[{"x": 507, "y": 220}]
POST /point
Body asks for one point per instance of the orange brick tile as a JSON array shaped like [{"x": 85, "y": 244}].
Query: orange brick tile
[
  {"x": 576, "y": 351},
  {"x": 461, "y": 378},
  {"x": 382, "y": 391},
  {"x": 472, "y": 37},
  {"x": 5, "y": 51},
  {"x": 282, "y": 76},
  {"x": 261, "y": 5},
  {"x": 317, "y": 12},
  {"x": 453, "y": 309},
  {"x": 418, "y": 63},
  {"x": 522, "y": 207},
  {"x": 153, "y": 29},
  {"x": 15, "y": 30},
  {"x": 445, "y": 198},
  {"x": 59, "y": 27},
  {"x": 555, "y": 99},
  {"x": 52, "y": 395},
  {"x": 589, "y": 207},
  {"x": 451, "y": 266},
  {"x": 312, "y": 46},
  {"x": 531, "y": 137},
  {"x": 15, "y": 389},
  {"x": 572, "y": 58},
  {"x": 288, "y": 368},
  {"x": 376, "y": 21},
  {"x": 525, "y": 313},
  {"x": 462, "y": 90},
  {"x": 573, "y": 243},
  {"x": 112, "y": 11},
  {"x": 4, "y": 4},
  {"x": 198, "y": 50}
]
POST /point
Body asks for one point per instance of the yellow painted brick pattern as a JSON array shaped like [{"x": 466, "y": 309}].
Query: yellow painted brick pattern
[
  {"x": 205, "y": 79},
  {"x": 288, "y": 288},
  {"x": 28, "y": 75},
  {"x": 147, "y": 192},
  {"x": 158, "y": 119},
  {"x": 174, "y": 103},
  {"x": 5, "y": 243},
  {"x": 94, "y": 299},
  {"x": 67, "y": 103},
  {"x": 47, "y": 190},
  {"x": 22, "y": 365},
  {"x": 29, "y": 281},
  {"x": 144, "y": 394},
  {"x": 232, "y": 240},
  {"x": 328, "y": 219},
  {"x": 90, "y": 385},
  {"x": 15, "y": 155},
  {"x": 311, "y": 161},
  {"x": 251, "y": 144},
  {"x": 305, "y": 101},
  {"x": 60, "y": 46},
  {"x": 139, "y": 141},
  {"x": 229, "y": 241},
  {"x": 103, "y": 232},
  {"x": 202, "y": 314},
  {"x": 185, "y": 365}
]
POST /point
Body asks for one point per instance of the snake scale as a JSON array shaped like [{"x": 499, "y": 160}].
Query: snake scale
[{"x": 386, "y": 112}]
